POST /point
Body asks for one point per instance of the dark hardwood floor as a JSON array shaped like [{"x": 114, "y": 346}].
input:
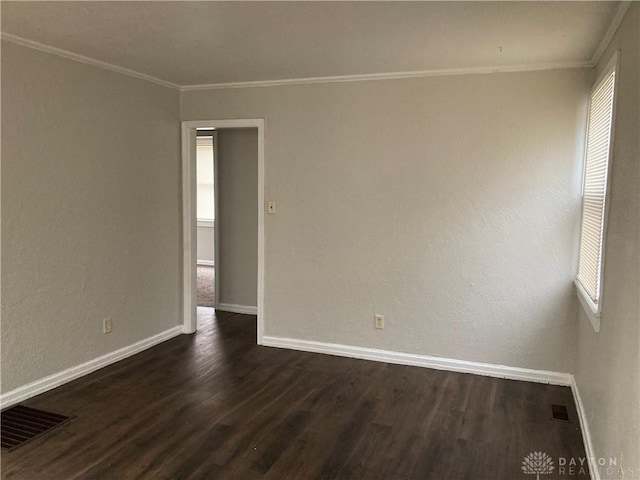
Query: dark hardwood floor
[{"x": 216, "y": 406}]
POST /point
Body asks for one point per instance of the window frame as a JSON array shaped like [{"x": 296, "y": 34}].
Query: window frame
[{"x": 591, "y": 308}]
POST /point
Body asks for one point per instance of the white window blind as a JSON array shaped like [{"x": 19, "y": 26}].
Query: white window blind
[
  {"x": 594, "y": 193},
  {"x": 205, "y": 179}
]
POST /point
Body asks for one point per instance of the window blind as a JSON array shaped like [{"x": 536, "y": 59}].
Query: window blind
[{"x": 595, "y": 185}]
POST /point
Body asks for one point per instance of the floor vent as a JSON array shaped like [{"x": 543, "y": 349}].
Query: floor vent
[
  {"x": 21, "y": 424},
  {"x": 559, "y": 412}
]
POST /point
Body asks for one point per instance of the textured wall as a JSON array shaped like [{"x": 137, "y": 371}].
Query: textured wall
[
  {"x": 608, "y": 362},
  {"x": 237, "y": 267},
  {"x": 90, "y": 212},
  {"x": 448, "y": 204}
]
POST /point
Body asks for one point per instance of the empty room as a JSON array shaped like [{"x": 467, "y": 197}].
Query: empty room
[{"x": 320, "y": 240}]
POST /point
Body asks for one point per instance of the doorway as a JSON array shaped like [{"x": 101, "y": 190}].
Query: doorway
[
  {"x": 206, "y": 215},
  {"x": 230, "y": 139}
]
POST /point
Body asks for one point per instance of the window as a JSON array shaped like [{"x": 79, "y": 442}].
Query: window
[
  {"x": 204, "y": 175},
  {"x": 594, "y": 192}
]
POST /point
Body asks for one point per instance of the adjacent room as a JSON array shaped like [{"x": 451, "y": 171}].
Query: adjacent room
[
  {"x": 356, "y": 240},
  {"x": 206, "y": 219}
]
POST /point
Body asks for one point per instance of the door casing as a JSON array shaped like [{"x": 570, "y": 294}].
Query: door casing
[{"x": 189, "y": 218}]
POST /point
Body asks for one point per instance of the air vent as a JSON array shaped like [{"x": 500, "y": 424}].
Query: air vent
[
  {"x": 21, "y": 424},
  {"x": 559, "y": 412}
]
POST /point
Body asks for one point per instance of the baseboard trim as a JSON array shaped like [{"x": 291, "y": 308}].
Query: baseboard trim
[
  {"x": 209, "y": 263},
  {"x": 52, "y": 381},
  {"x": 233, "y": 308},
  {"x": 594, "y": 469},
  {"x": 438, "y": 363}
]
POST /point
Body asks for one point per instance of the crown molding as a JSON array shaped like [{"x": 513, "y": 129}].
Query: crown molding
[
  {"x": 390, "y": 76},
  {"x": 621, "y": 11},
  {"x": 82, "y": 59},
  {"x": 312, "y": 80}
]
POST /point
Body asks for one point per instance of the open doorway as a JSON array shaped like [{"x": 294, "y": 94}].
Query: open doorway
[
  {"x": 223, "y": 218},
  {"x": 205, "y": 210}
]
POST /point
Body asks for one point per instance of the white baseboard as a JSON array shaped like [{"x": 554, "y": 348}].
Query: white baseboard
[
  {"x": 231, "y": 307},
  {"x": 594, "y": 469},
  {"x": 209, "y": 263},
  {"x": 438, "y": 363},
  {"x": 52, "y": 381},
  {"x": 454, "y": 365}
]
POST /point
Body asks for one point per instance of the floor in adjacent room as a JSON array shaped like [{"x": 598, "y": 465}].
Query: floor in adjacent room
[
  {"x": 214, "y": 405},
  {"x": 206, "y": 285}
]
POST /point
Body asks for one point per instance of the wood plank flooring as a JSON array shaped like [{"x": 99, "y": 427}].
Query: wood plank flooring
[{"x": 216, "y": 406}]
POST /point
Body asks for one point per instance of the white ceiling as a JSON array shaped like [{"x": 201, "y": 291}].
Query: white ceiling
[{"x": 190, "y": 43}]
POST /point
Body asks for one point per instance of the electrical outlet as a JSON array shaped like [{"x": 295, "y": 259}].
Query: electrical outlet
[
  {"x": 106, "y": 325},
  {"x": 378, "y": 321}
]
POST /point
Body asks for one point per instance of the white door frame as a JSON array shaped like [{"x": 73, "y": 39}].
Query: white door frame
[
  {"x": 216, "y": 213},
  {"x": 189, "y": 220}
]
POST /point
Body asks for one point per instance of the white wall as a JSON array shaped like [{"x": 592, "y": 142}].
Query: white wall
[
  {"x": 237, "y": 265},
  {"x": 90, "y": 212},
  {"x": 448, "y": 204},
  {"x": 608, "y": 363},
  {"x": 206, "y": 243}
]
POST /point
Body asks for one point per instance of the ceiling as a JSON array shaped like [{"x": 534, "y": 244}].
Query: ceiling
[{"x": 191, "y": 43}]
